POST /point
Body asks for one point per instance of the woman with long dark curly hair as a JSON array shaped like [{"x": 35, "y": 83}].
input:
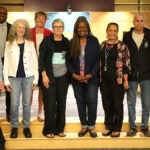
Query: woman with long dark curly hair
[{"x": 84, "y": 66}]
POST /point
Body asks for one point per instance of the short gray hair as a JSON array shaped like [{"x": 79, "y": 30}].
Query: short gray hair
[
  {"x": 139, "y": 14},
  {"x": 56, "y": 21}
]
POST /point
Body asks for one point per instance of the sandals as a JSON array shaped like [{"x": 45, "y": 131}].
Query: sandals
[
  {"x": 115, "y": 134},
  {"x": 62, "y": 134},
  {"x": 50, "y": 135},
  {"x": 106, "y": 132},
  {"x": 40, "y": 117}
]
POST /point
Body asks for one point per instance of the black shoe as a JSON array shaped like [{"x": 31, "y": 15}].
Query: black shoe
[
  {"x": 82, "y": 132},
  {"x": 14, "y": 133},
  {"x": 27, "y": 133},
  {"x": 93, "y": 133},
  {"x": 145, "y": 132},
  {"x": 132, "y": 132}
]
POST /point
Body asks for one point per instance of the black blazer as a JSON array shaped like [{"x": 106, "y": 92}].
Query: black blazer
[
  {"x": 8, "y": 28},
  {"x": 46, "y": 53},
  {"x": 92, "y": 55}
]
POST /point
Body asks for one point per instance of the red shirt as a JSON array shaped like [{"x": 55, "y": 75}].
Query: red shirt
[{"x": 47, "y": 32}]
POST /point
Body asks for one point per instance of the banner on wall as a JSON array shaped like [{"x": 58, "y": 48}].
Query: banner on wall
[{"x": 69, "y": 20}]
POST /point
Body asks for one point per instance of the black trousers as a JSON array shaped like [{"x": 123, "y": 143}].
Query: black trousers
[
  {"x": 112, "y": 100},
  {"x": 2, "y": 140},
  {"x": 54, "y": 99},
  {"x": 7, "y": 102}
]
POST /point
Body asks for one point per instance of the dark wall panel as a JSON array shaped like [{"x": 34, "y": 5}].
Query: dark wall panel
[{"x": 76, "y": 5}]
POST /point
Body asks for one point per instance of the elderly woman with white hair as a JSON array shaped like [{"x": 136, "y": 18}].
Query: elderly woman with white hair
[{"x": 52, "y": 65}]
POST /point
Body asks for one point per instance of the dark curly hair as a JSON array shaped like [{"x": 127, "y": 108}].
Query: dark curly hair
[{"x": 75, "y": 41}]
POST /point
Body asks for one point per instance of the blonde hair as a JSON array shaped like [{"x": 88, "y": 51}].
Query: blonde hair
[
  {"x": 12, "y": 34},
  {"x": 40, "y": 13}
]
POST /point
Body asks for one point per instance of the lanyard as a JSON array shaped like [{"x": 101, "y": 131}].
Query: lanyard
[{"x": 107, "y": 50}]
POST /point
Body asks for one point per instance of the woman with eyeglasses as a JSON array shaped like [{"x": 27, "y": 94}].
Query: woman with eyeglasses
[{"x": 52, "y": 65}]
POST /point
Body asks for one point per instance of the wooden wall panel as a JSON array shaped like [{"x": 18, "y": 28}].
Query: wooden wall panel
[
  {"x": 99, "y": 21},
  {"x": 76, "y": 5},
  {"x": 119, "y": 5},
  {"x": 13, "y": 5},
  {"x": 145, "y": 1},
  {"x": 11, "y": 2},
  {"x": 145, "y": 8},
  {"x": 126, "y": 2},
  {"x": 14, "y": 8},
  {"x": 126, "y": 7},
  {"x": 132, "y": 5}
]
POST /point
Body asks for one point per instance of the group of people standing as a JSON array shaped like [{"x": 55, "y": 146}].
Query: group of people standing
[{"x": 50, "y": 60}]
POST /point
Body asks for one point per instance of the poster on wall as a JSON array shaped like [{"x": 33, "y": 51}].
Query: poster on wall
[{"x": 69, "y": 19}]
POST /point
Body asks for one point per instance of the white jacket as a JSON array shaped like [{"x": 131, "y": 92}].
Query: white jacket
[{"x": 11, "y": 61}]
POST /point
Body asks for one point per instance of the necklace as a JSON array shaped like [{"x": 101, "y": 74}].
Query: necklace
[{"x": 107, "y": 50}]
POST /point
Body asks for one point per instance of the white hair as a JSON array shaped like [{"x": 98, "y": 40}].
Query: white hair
[{"x": 139, "y": 14}]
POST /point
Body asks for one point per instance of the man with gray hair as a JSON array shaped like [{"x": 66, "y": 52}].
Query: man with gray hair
[
  {"x": 138, "y": 42},
  {"x": 4, "y": 29}
]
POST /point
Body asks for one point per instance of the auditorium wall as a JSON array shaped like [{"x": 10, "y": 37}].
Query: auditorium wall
[{"x": 98, "y": 21}]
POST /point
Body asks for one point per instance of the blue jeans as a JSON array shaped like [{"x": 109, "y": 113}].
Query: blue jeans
[
  {"x": 24, "y": 86},
  {"x": 145, "y": 101},
  {"x": 86, "y": 97}
]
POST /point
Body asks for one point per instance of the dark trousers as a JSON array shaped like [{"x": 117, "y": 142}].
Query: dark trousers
[
  {"x": 86, "y": 97},
  {"x": 112, "y": 99},
  {"x": 2, "y": 140},
  {"x": 7, "y": 102},
  {"x": 54, "y": 99}
]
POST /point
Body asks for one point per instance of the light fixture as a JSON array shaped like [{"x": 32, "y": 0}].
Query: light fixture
[{"x": 69, "y": 9}]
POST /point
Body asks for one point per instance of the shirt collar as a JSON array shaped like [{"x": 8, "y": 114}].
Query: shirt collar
[{"x": 3, "y": 24}]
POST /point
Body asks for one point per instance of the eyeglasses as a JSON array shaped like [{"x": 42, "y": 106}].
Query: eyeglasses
[{"x": 58, "y": 27}]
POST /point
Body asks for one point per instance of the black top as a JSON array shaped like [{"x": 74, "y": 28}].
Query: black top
[
  {"x": 111, "y": 54},
  {"x": 20, "y": 71},
  {"x": 59, "y": 46}
]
